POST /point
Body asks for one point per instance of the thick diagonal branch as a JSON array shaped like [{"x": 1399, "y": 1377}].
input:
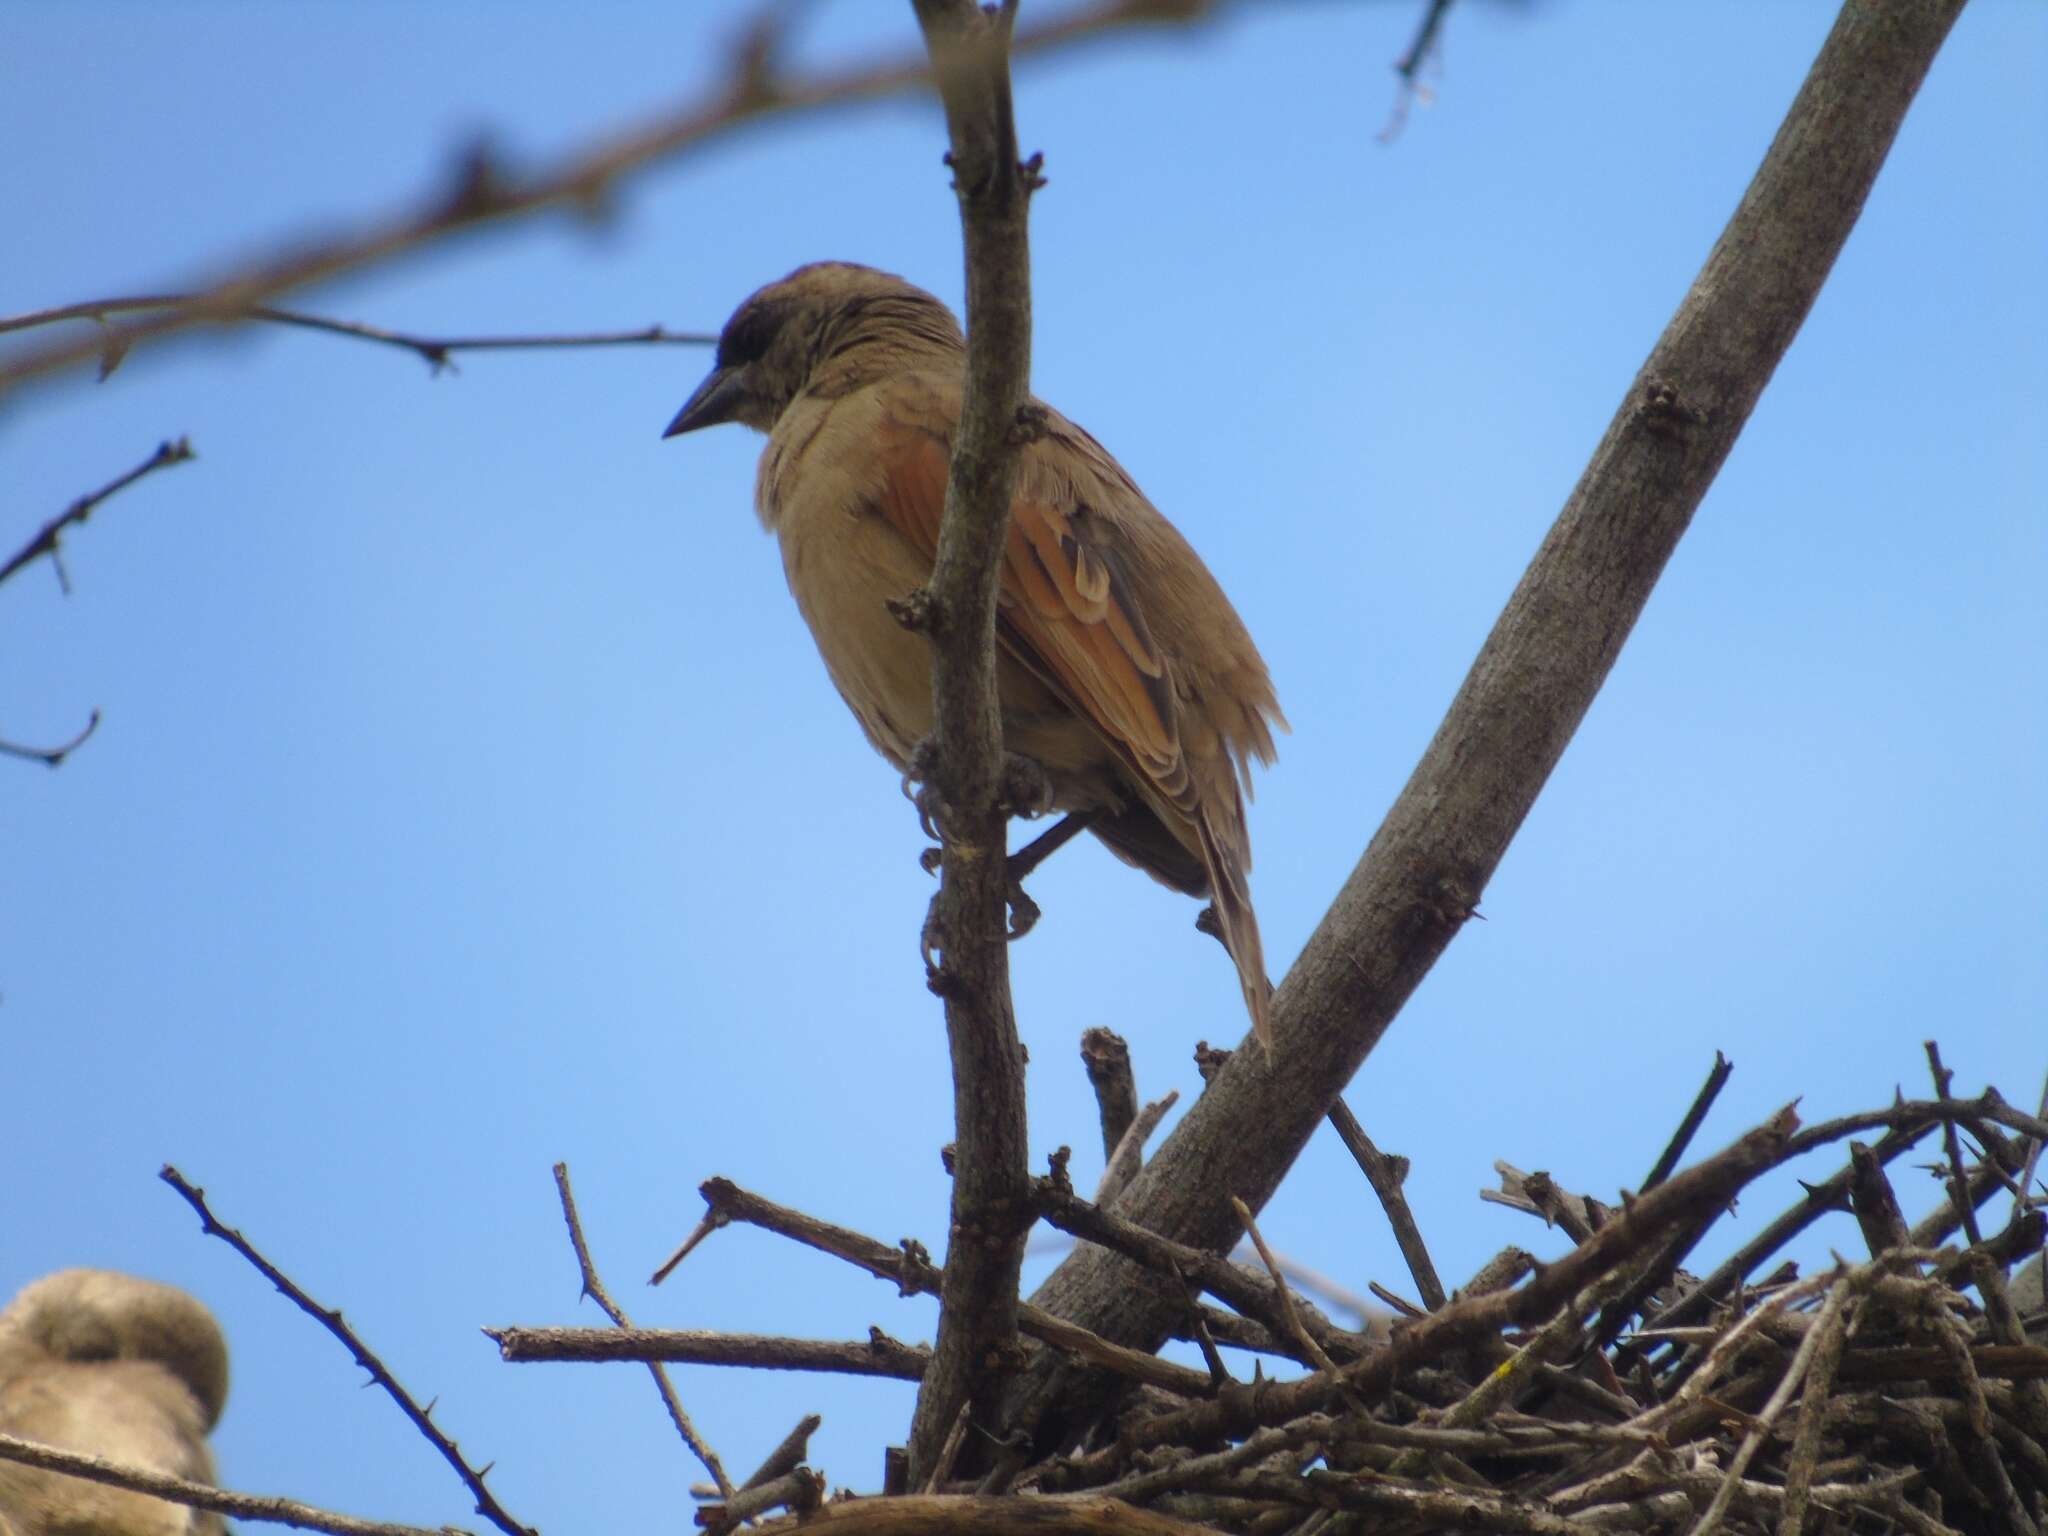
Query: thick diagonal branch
[{"x": 1532, "y": 683}]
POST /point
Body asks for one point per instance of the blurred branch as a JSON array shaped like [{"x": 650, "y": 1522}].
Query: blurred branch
[
  {"x": 487, "y": 1504},
  {"x": 433, "y": 350},
  {"x": 1535, "y": 677},
  {"x": 991, "y": 1208},
  {"x": 594, "y": 1288},
  {"x": 177, "y": 1490},
  {"x": 479, "y": 190},
  {"x": 47, "y": 541},
  {"x": 52, "y": 757},
  {"x": 46, "y": 538},
  {"x": 1428, "y": 36}
]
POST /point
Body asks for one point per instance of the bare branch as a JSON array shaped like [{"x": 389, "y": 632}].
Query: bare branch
[
  {"x": 487, "y": 1503},
  {"x": 1681, "y": 1138},
  {"x": 1129, "y": 1154},
  {"x": 1535, "y": 677},
  {"x": 177, "y": 1490},
  {"x": 878, "y": 1355},
  {"x": 594, "y": 1288},
  {"x": 968, "y": 923},
  {"x": 788, "y": 1454},
  {"x": 46, "y": 537},
  {"x": 479, "y": 190},
  {"x": 53, "y": 757},
  {"x": 437, "y": 352},
  {"x": 1107, "y": 1057},
  {"x": 1408, "y": 67},
  {"x": 942, "y": 1514},
  {"x": 1386, "y": 1174}
]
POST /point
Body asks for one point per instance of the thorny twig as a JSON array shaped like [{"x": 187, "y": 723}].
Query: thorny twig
[
  {"x": 487, "y": 1503},
  {"x": 594, "y": 1288}
]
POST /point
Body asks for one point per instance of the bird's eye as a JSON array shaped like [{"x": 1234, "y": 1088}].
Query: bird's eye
[{"x": 748, "y": 336}]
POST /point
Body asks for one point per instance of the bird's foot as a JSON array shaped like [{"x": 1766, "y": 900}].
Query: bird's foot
[
  {"x": 1026, "y": 787},
  {"x": 920, "y": 792},
  {"x": 1206, "y": 921},
  {"x": 1024, "y": 912},
  {"x": 1024, "y": 790}
]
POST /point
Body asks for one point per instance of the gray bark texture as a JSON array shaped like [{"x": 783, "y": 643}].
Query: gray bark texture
[{"x": 1534, "y": 679}]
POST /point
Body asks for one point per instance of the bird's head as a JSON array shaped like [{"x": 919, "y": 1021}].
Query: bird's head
[
  {"x": 82, "y": 1315},
  {"x": 781, "y": 339}
]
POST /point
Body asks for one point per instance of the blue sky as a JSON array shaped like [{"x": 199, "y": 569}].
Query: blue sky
[{"x": 470, "y": 796}]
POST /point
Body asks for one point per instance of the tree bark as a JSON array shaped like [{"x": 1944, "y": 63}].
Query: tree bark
[{"x": 1534, "y": 679}]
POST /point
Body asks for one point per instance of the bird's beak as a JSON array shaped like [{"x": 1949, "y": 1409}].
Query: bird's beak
[{"x": 717, "y": 399}]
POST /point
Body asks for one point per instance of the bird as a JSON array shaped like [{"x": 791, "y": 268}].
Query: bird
[
  {"x": 1122, "y": 669},
  {"x": 118, "y": 1367}
]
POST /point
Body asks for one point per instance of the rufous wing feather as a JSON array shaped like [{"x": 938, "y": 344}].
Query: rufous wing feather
[{"x": 1067, "y": 615}]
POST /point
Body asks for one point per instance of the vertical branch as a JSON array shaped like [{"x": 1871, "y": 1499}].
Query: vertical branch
[
  {"x": 1530, "y": 686},
  {"x": 977, "y": 1333}
]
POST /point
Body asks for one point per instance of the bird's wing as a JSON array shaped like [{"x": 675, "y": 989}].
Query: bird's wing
[
  {"x": 1066, "y": 611},
  {"x": 1065, "y": 607}
]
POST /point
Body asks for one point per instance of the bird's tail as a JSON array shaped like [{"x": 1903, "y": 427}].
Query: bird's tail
[{"x": 1231, "y": 892}]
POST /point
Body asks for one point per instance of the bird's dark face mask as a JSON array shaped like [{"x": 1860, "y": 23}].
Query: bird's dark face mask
[{"x": 757, "y": 373}]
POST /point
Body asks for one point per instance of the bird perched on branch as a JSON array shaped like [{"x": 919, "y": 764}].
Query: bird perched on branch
[
  {"x": 118, "y": 1367},
  {"x": 1123, "y": 671}
]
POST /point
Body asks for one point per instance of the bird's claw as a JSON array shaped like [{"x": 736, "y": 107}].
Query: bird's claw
[
  {"x": 1024, "y": 912},
  {"x": 1026, "y": 789},
  {"x": 917, "y": 789}
]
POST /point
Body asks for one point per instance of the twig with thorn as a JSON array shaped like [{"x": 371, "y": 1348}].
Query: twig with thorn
[
  {"x": 487, "y": 1503},
  {"x": 593, "y": 1287}
]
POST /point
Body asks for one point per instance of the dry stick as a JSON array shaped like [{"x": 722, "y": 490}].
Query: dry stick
[
  {"x": 1813, "y": 1413},
  {"x": 1129, "y": 1154},
  {"x": 1694, "y": 1118},
  {"x": 1949, "y": 1336},
  {"x": 1409, "y": 65},
  {"x": 991, "y": 1186},
  {"x": 966, "y": 1514},
  {"x": 594, "y": 1288},
  {"x": 914, "y": 1274},
  {"x": 1288, "y": 1314},
  {"x": 1107, "y": 1057},
  {"x": 1184, "y": 1474},
  {"x": 1459, "y": 1324},
  {"x": 45, "y": 540},
  {"x": 243, "y": 1506},
  {"x": 1873, "y": 1203},
  {"x": 2033, "y": 1157},
  {"x": 1059, "y": 1206},
  {"x": 487, "y": 1504},
  {"x": 1467, "y": 1509},
  {"x": 1531, "y": 685},
  {"x": 435, "y": 351},
  {"x": 799, "y": 1489},
  {"x": 1386, "y": 1175},
  {"x": 877, "y": 1355},
  {"x": 949, "y": 1451},
  {"x": 1959, "y": 1178},
  {"x": 478, "y": 190},
  {"x": 1820, "y": 1199},
  {"x": 788, "y": 1453},
  {"x": 1766, "y": 1420},
  {"x": 53, "y": 757}
]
